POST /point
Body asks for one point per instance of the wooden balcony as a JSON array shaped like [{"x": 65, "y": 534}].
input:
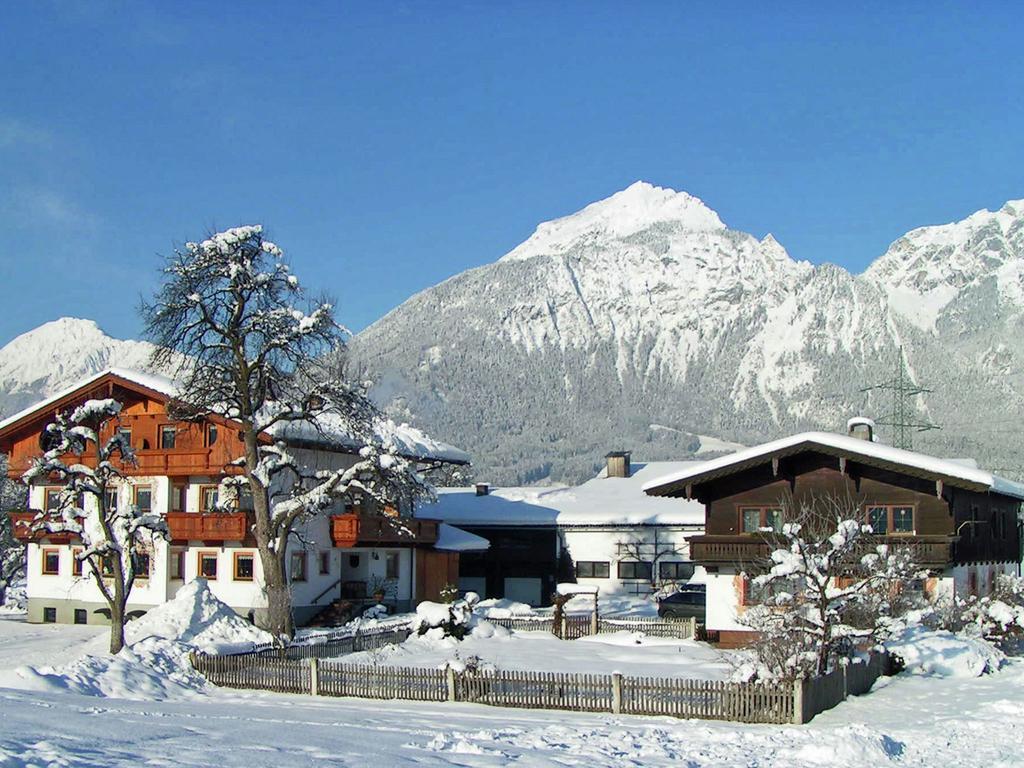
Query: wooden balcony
[
  {"x": 361, "y": 530},
  {"x": 22, "y": 523},
  {"x": 754, "y": 549},
  {"x": 200, "y": 461},
  {"x": 208, "y": 526}
]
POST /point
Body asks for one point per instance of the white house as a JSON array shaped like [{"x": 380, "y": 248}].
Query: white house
[
  {"x": 345, "y": 556},
  {"x": 604, "y": 532}
]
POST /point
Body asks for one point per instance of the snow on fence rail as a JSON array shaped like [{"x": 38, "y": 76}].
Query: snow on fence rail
[
  {"x": 329, "y": 646},
  {"x": 771, "y": 702}
]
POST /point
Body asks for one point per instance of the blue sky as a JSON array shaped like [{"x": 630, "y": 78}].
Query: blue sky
[{"x": 388, "y": 146}]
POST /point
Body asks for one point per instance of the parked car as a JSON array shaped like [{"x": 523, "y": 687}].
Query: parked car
[{"x": 688, "y": 602}]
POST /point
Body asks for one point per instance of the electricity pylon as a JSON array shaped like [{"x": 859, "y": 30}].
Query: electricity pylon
[{"x": 903, "y": 416}]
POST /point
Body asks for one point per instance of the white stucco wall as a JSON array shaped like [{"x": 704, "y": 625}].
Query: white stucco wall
[{"x": 602, "y": 545}]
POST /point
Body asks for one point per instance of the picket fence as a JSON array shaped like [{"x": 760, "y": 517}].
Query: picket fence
[
  {"x": 615, "y": 693},
  {"x": 576, "y": 626},
  {"x": 330, "y": 646}
]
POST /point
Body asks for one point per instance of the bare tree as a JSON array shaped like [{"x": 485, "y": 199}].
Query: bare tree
[
  {"x": 830, "y": 585},
  {"x": 117, "y": 539},
  {"x": 245, "y": 343},
  {"x": 652, "y": 550}
]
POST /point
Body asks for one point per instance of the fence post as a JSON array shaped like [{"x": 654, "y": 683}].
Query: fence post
[
  {"x": 798, "y": 701},
  {"x": 616, "y": 693},
  {"x": 693, "y": 627},
  {"x": 593, "y": 622},
  {"x": 846, "y": 684},
  {"x": 314, "y": 676},
  {"x": 449, "y": 673}
]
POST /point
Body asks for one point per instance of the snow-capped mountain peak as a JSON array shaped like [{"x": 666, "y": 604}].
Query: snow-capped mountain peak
[
  {"x": 55, "y": 355},
  {"x": 634, "y": 209},
  {"x": 926, "y": 269}
]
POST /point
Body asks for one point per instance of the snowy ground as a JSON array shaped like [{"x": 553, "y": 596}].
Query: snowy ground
[
  {"x": 136, "y": 713},
  {"x": 627, "y": 652}
]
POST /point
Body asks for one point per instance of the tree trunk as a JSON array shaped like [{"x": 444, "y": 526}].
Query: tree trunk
[
  {"x": 117, "y": 606},
  {"x": 278, "y": 620}
]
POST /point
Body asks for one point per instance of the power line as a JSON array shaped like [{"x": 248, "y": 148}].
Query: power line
[{"x": 903, "y": 416}]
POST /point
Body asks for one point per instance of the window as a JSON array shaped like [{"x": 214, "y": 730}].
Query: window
[
  {"x": 592, "y": 569},
  {"x": 675, "y": 571},
  {"x": 634, "y": 570},
  {"x": 391, "y": 565},
  {"x": 178, "y": 496},
  {"x": 245, "y": 499},
  {"x": 140, "y": 564},
  {"x": 325, "y": 563},
  {"x": 890, "y": 518},
  {"x": 211, "y": 434},
  {"x": 755, "y": 595},
  {"x": 244, "y": 564},
  {"x": 177, "y": 563},
  {"x": 51, "y": 561},
  {"x": 126, "y": 435},
  {"x": 52, "y": 500},
  {"x": 144, "y": 499},
  {"x": 757, "y": 519},
  {"x": 107, "y": 565},
  {"x": 168, "y": 434},
  {"x": 207, "y": 498},
  {"x": 110, "y": 495},
  {"x": 50, "y": 615},
  {"x": 76, "y": 564},
  {"x": 81, "y": 616},
  {"x": 298, "y": 566},
  {"x": 208, "y": 565}
]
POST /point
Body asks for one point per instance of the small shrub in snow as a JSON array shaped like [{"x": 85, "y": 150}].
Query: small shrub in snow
[
  {"x": 998, "y": 618},
  {"x": 376, "y": 612},
  {"x": 450, "y": 619},
  {"x": 448, "y": 593}
]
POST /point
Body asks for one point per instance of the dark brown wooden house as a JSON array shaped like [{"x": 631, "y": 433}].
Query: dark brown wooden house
[{"x": 961, "y": 523}]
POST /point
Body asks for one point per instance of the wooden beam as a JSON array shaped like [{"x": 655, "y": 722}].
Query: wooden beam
[
  {"x": 842, "y": 465},
  {"x": 938, "y": 488},
  {"x": 775, "y": 466}
]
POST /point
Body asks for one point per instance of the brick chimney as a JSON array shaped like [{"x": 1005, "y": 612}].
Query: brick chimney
[{"x": 617, "y": 463}]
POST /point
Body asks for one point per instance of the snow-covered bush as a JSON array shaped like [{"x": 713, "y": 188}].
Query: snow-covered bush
[
  {"x": 453, "y": 619},
  {"x": 998, "y": 618},
  {"x": 829, "y": 588}
]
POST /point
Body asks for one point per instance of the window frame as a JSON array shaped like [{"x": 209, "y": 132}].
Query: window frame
[
  {"x": 648, "y": 577},
  {"x": 135, "y": 496},
  {"x": 119, "y": 430},
  {"x": 676, "y": 577},
  {"x": 76, "y": 564},
  {"x": 890, "y": 518},
  {"x": 46, "y": 551},
  {"x": 389, "y": 558},
  {"x": 210, "y": 428},
  {"x": 136, "y": 558},
  {"x": 49, "y": 614},
  {"x": 165, "y": 429},
  {"x": 235, "y": 557},
  {"x": 762, "y": 516},
  {"x": 303, "y": 571},
  {"x": 47, "y": 490},
  {"x": 590, "y": 569},
  {"x": 203, "y": 488},
  {"x": 324, "y": 562},
  {"x": 205, "y": 553},
  {"x": 177, "y": 556},
  {"x": 81, "y": 613}
]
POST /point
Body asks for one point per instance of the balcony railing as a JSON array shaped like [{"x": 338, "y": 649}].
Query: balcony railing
[
  {"x": 927, "y": 551},
  {"x": 149, "y": 461},
  {"x": 208, "y": 526},
  {"x": 357, "y": 530},
  {"x": 23, "y": 524}
]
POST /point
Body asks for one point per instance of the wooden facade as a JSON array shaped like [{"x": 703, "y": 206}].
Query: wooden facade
[{"x": 952, "y": 523}]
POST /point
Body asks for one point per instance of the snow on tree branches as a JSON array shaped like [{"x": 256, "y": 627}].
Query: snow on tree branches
[
  {"x": 249, "y": 345},
  {"x": 117, "y": 540},
  {"x": 830, "y": 586}
]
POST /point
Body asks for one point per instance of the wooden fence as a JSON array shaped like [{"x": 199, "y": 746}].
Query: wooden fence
[
  {"x": 582, "y": 625},
  {"x": 769, "y": 702},
  {"x": 329, "y": 646}
]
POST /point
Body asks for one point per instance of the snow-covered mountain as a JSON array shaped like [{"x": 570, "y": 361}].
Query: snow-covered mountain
[
  {"x": 642, "y": 321},
  {"x": 57, "y": 354}
]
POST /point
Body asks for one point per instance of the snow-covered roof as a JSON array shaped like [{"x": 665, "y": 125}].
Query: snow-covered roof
[
  {"x": 329, "y": 431},
  {"x": 454, "y": 539},
  {"x": 868, "y": 452},
  {"x": 601, "y": 501}
]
